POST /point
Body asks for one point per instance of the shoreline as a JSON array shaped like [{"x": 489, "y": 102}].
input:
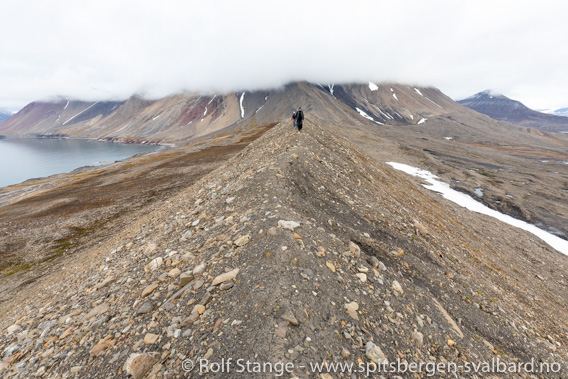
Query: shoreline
[
  {"x": 98, "y": 139},
  {"x": 33, "y": 181}
]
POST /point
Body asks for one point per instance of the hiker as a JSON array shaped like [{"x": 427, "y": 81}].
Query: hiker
[
  {"x": 294, "y": 118},
  {"x": 299, "y": 118}
]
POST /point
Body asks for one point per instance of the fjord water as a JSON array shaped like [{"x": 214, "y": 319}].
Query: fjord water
[{"x": 26, "y": 158}]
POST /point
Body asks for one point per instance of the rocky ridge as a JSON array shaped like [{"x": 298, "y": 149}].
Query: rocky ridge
[{"x": 300, "y": 249}]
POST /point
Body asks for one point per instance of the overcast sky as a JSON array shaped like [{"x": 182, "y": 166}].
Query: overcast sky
[{"x": 110, "y": 49}]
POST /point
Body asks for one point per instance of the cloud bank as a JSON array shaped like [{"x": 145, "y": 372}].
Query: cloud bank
[{"x": 111, "y": 49}]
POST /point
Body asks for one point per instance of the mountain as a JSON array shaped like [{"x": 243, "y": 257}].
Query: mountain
[
  {"x": 182, "y": 117},
  {"x": 286, "y": 247},
  {"x": 557, "y": 112},
  {"x": 502, "y": 108},
  {"x": 4, "y": 116}
]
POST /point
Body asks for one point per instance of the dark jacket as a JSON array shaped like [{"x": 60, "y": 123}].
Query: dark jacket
[{"x": 300, "y": 116}]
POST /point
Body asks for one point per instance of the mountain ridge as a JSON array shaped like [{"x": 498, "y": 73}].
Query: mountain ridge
[
  {"x": 182, "y": 117},
  {"x": 502, "y": 108}
]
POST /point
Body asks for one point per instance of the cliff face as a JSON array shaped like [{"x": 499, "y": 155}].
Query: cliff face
[{"x": 303, "y": 248}]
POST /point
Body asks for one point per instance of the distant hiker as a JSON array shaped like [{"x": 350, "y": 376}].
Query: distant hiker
[
  {"x": 294, "y": 118},
  {"x": 299, "y": 118}
]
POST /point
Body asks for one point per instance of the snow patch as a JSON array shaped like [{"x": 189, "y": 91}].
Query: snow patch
[
  {"x": 204, "y": 113},
  {"x": 468, "y": 202},
  {"x": 373, "y": 86},
  {"x": 478, "y": 191},
  {"x": 90, "y": 106},
  {"x": 386, "y": 114},
  {"x": 418, "y": 92},
  {"x": 449, "y": 138},
  {"x": 155, "y": 117},
  {"x": 241, "y": 104},
  {"x": 394, "y": 95},
  {"x": 331, "y": 88},
  {"x": 66, "y": 105},
  {"x": 433, "y": 102},
  {"x": 411, "y": 117},
  {"x": 422, "y": 121},
  {"x": 362, "y": 113},
  {"x": 210, "y": 101}
]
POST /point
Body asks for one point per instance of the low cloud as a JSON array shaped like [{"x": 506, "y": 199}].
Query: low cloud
[{"x": 112, "y": 49}]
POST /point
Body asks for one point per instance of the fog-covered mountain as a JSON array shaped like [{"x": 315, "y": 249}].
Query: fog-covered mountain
[{"x": 182, "y": 117}]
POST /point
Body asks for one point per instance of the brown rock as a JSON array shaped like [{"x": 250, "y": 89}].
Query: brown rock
[
  {"x": 353, "y": 314},
  {"x": 151, "y": 338},
  {"x": 138, "y": 365},
  {"x": 149, "y": 289},
  {"x": 242, "y": 241},
  {"x": 185, "y": 278},
  {"x": 224, "y": 277},
  {"x": 330, "y": 266},
  {"x": 421, "y": 229},
  {"x": 66, "y": 333},
  {"x": 174, "y": 273},
  {"x": 101, "y": 346}
]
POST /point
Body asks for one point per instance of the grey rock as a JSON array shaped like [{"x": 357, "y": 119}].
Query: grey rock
[
  {"x": 98, "y": 323},
  {"x": 13, "y": 328},
  {"x": 374, "y": 353},
  {"x": 355, "y": 249},
  {"x": 199, "y": 269},
  {"x": 227, "y": 285},
  {"x": 147, "y": 307},
  {"x": 373, "y": 261},
  {"x": 198, "y": 284},
  {"x": 289, "y": 225},
  {"x": 417, "y": 339},
  {"x": 286, "y": 314}
]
